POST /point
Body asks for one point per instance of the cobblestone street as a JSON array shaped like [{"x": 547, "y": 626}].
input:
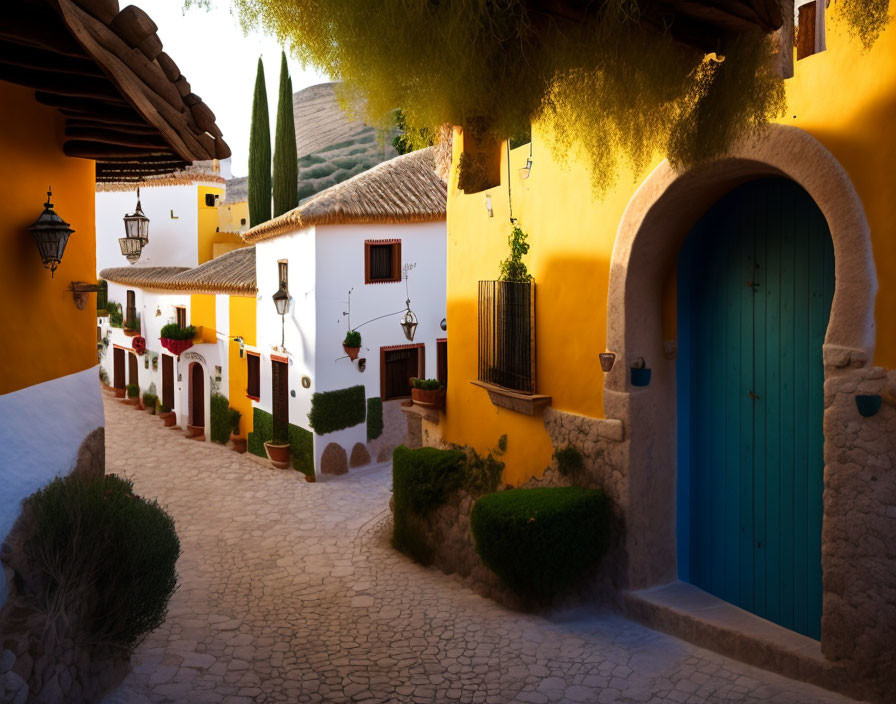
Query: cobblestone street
[{"x": 290, "y": 592}]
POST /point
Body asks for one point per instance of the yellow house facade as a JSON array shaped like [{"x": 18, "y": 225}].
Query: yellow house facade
[{"x": 635, "y": 272}]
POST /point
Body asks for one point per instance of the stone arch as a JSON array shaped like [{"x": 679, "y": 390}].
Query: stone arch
[{"x": 656, "y": 222}]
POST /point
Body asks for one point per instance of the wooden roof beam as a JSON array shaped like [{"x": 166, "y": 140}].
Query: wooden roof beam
[
  {"x": 108, "y": 135},
  {"x": 100, "y": 151},
  {"x": 47, "y": 81}
]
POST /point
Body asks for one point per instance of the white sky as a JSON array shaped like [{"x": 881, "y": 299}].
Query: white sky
[{"x": 220, "y": 62}]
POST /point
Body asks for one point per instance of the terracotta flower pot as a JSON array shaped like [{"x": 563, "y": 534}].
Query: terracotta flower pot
[
  {"x": 131, "y": 333},
  {"x": 278, "y": 454},
  {"x": 194, "y": 431},
  {"x": 239, "y": 443},
  {"x": 428, "y": 399},
  {"x": 169, "y": 418},
  {"x": 352, "y": 352},
  {"x": 120, "y": 393}
]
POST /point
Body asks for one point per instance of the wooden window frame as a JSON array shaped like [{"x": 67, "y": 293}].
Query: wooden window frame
[
  {"x": 249, "y": 376},
  {"x": 130, "y": 313},
  {"x": 178, "y": 310},
  {"x": 396, "y": 261},
  {"x": 439, "y": 354},
  {"x": 810, "y": 29},
  {"x": 421, "y": 365}
]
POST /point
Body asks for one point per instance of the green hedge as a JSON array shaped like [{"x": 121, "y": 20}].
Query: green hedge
[
  {"x": 106, "y": 556},
  {"x": 335, "y": 410},
  {"x": 539, "y": 541},
  {"x": 173, "y": 331},
  {"x": 262, "y": 432},
  {"x": 374, "y": 418},
  {"x": 301, "y": 441},
  {"x": 301, "y": 448},
  {"x": 220, "y": 420},
  {"x": 421, "y": 480}
]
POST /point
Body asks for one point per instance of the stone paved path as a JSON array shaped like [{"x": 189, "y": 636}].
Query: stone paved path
[{"x": 291, "y": 593}]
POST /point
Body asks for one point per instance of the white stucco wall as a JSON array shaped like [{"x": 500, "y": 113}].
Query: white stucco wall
[
  {"x": 43, "y": 427},
  {"x": 173, "y": 213},
  {"x": 300, "y": 323}
]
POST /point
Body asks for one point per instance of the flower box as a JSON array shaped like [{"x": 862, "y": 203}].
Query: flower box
[
  {"x": 131, "y": 333},
  {"x": 176, "y": 347}
]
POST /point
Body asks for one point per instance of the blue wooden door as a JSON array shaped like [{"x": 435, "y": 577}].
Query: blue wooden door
[{"x": 756, "y": 280}]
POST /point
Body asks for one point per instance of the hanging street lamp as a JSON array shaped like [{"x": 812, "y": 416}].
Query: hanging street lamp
[
  {"x": 136, "y": 228},
  {"x": 50, "y": 233},
  {"x": 409, "y": 323}
]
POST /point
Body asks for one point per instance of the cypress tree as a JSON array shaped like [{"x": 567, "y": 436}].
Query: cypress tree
[
  {"x": 286, "y": 168},
  {"x": 260, "y": 154}
]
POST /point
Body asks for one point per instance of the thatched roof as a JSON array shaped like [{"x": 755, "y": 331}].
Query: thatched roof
[
  {"x": 150, "y": 277},
  {"x": 232, "y": 273},
  {"x": 403, "y": 189},
  {"x": 124, "y": 100}
]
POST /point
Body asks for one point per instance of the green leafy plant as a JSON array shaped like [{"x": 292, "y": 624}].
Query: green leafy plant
[
  {"x": 335, "y": 410},
  {"x": 102, "y": 296},
  {"x": 570, "y": 461},
  {"x": 149, "y": 400},
  {"x": 163, "y": 408},
  {"x": 116, "y": 320},
  {"x": 133, "y": 390},
  {"x": 374, "y": 418},
  {"x": 106, "y": 556},
  {"x": 104, "y": 376},
  {"x": 133, "y": 324},
  {"x": 220, "y": 419},
  {"x": 173, "y": 331},
  {"x": 513, "y": 269},
  {"x": 540, "y": 541},
  {"x": 260, "y": 154},
  {"x": 301, "y": 441},
  {"x": 422, "y": 479},
  {"x": 352, "y": 339},
  {"x": 426, "y": 384},
  {"x": 234, "y": 418}
]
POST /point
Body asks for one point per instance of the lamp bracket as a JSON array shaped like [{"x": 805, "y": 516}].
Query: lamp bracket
[{"x": 80, "y": 291}]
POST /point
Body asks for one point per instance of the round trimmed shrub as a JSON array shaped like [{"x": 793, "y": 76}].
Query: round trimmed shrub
[
  {"x": 107, "y": 557},
  {"x": 540, "y": 541}
]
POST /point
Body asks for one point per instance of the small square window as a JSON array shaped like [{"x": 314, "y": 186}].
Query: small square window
[
  {"x": 180, "y": 316},
  {"x": 382, "y": 261},
  {"x": 253, "y": 369},
  {"x": 210, "y": 199},
  {"x": 242, "y": 221}
]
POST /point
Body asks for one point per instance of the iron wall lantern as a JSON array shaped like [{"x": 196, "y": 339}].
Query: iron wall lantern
[
  {"x": 136, "y": 229},
  {"x": 281, "y": 300},
  {"x": 50, "y": 233},
  {"x": 444, "y": 324}
]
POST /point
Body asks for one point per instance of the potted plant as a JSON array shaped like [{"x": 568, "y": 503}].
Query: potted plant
[
  {"x": 176, "y": 339},
  {"x": 133, "y": 393},
  {"x": 428, "y": 393},
  {"x": 352, "y": 344},
  {"x": 640, "y": 373},
  {"x": 239, "y": 443},
  {"x": 277, "y": 450},
  {"x": 132, "y": 328},
  {"x": 149, "y": 403},
  {"x": 169, "y": 417}
]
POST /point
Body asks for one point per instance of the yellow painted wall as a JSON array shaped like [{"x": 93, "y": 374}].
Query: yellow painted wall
[
  {"x": 46, "y": 335},
  {"x": 242, "y": 324},
  {"x": 845, "y": 98},
  {"x": 231, "y": 215},
  {"x": 208, "y": 225},
  {"x": 203, "y": 312}
]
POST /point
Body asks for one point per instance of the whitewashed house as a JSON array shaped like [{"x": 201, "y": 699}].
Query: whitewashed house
[{"x": 358, "y": 256}]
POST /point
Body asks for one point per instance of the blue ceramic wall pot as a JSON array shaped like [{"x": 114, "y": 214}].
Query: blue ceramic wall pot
[
  {"x": 868, "y": 404},
  {"x": 640, "y": 376}
]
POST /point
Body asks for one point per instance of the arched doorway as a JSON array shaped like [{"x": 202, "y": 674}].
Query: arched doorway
[
  {"x": 755, "y": 285},
  {"x": 197, "y": 395},
  {"x": 653, "y": 229}
]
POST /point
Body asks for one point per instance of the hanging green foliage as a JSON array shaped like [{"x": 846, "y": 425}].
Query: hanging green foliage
[
  {"x": 513, "y": 268},
  {"x": 286, "y": 165},
  {"x": 260, "y": 154},
  {"x": 611, "y": 80}
]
